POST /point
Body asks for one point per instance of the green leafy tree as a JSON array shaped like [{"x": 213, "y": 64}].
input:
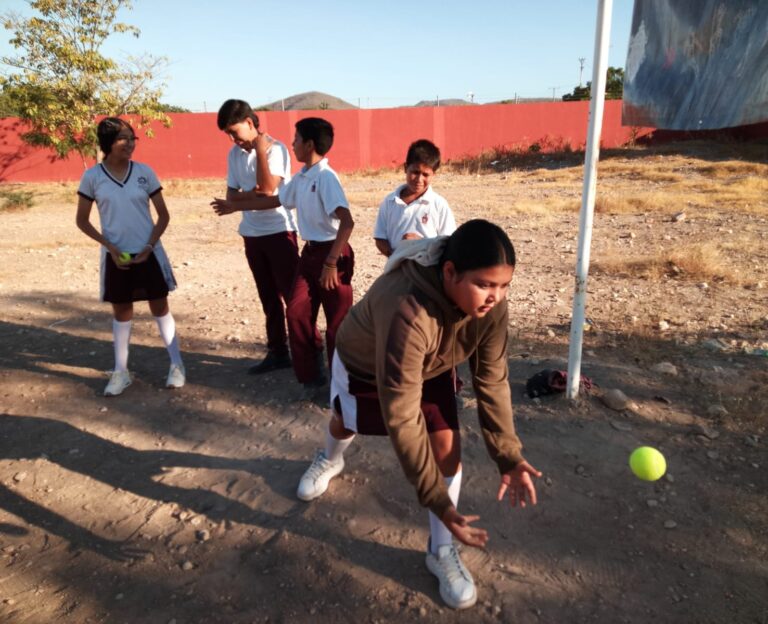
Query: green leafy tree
[
  {"x": 8, "y": 107},
  {"x": 614, "y": 87},
  {"x": 59, "y": 82}
]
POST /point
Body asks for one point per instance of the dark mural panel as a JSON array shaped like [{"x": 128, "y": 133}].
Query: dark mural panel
[{"x": 697, "y": 64}]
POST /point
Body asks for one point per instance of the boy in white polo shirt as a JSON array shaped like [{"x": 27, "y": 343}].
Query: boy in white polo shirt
[
  {"x": 324, "y": 274},
  {"x": 260, "y": 165},
  {"x": 414, "y": 210}
]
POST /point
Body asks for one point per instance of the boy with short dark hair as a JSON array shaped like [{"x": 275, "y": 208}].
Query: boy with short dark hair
[
  {"x": 414, "y": 210},
  {"x": 326, "y": 263},
  {"x": 260, "y": 165}
]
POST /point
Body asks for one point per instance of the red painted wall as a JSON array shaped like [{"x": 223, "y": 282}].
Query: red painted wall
[{"x": 368, "y": 138}]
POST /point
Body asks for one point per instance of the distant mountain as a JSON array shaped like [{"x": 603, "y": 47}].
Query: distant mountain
[
  {"x": 311, "y": 100},
  {"x": 446, "y": 102}
]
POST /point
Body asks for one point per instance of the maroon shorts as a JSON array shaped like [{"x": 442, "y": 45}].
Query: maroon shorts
[
  {"x": 438, "y": 402},
  {"x": 141, "y": 282}
]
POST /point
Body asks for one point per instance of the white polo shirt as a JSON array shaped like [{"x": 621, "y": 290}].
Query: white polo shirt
[
  {"x": 316, "y": 193},
  {"x": 123, "y": 204},
  {"x": 428, "y": 216},
  {"x": 241, "y": 175}
]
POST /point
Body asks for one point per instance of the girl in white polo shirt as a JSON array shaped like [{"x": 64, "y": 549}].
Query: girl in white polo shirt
[{"x": 134, "y": 266}]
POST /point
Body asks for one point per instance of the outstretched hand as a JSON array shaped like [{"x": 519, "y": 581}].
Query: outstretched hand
[
  {"x": 460, "y": 527},
  {"x": 222, "y": 207},
  {"x": 520, "y": 485}
]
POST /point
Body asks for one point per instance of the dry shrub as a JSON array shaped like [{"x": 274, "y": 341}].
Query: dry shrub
[
  {"x": 555, "y": 152},
  {"x": 194, "y": 187},
  {"x": 699, "y": 262},
  {"x": 13, "y": 201}
]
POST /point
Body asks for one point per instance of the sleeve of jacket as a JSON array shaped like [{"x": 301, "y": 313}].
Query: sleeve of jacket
[
  {"x": 401, "y": 348},
  {"x": 491, "y": 384}
]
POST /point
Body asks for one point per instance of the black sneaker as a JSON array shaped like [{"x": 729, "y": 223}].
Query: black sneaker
[{"x": 272, "y": 362}]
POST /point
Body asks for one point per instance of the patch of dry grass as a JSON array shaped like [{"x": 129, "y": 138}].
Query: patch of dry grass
[
  {"x": 639, "y": 203},
  {"x": 194, "y": 188},
  {"x": 697, "y": 262}
]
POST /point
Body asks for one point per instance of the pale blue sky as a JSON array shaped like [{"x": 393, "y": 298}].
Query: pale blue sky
[{"x": 369, "y": 53}]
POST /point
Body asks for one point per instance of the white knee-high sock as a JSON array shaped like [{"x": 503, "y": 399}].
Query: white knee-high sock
[
  {"x": 121, "y": 334},
  {"x": 438, "y": 532},
  {"x": 334, "y": 449},
  {"x": 167, "y": 327}
]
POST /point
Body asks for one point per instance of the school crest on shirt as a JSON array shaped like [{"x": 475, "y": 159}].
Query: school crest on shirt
[
  {"x": 425, "y": 218},
  {"x": 142, "y": 181}
]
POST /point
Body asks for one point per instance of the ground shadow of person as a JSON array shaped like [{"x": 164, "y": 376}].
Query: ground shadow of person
[{"x": 135, "y": 471}]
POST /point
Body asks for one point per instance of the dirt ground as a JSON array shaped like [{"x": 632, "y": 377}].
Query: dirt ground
[{"x": 166, "y": 507}]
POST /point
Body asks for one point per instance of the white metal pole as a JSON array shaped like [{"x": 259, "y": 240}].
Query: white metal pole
[{"x": 596, "y": 106}]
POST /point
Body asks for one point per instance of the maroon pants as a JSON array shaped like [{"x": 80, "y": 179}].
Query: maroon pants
[
  {"x": 273, "y": 260},
  {"x": 306, "y": 298}
]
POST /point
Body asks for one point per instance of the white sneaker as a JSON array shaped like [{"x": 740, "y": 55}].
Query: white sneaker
[
  {"x": 118, "y": 382},
  {"x": 315, "y": 480},
  {"x": 457, "y": 587},
  {"x": 176, "y": 376}
]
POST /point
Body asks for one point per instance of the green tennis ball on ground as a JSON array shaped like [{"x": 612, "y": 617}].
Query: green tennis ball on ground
[
  {"x": 647, "y": 463},
  {"x": 124, "y": 257}
]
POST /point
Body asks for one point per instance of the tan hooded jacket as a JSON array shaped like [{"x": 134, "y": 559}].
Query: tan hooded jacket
[{"x": 406, "y": 330}]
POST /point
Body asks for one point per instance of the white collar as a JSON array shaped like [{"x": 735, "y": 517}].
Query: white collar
[{"x": 426, "y": 197}]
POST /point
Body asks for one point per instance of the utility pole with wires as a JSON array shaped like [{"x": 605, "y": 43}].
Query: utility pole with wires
[
  {"x": 471, "y": 96},
  {"x": 582, "y": 60},
  {"x": 553, "y": 93}
]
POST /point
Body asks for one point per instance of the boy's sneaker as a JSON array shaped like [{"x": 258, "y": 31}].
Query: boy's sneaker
[
  {"x": 176, "y": 376},
  {"x": 272, "y": 361},
  {"x": 118, "y": 382},
  {"x": 315, "y": 480},
  {"x": 457, "y": 587}
]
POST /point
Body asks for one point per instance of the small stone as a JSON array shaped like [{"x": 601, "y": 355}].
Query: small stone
[
  {"x": 678, "y": 217},
  {"x": 203, "y": 536},
  {"x": 9, "y": 601},
  {"x": 422, "y": 612},
  {"x": 119, "y": 596},
  {"x": 670, "y": 524},
  {"x": 713, "y": 344},
  {"x": 550, "y": 333},
  {"x": 751, "y": 440},
  {"x": 663, "y": 326},
  {"x": 652, "y": 502},
  {"x": 665, "y": 368},
  {"x": 708, "y": 432},
  {"x": 717, "y": 411},
  {"x": 103, "y": 409},
  {"x": 615, "y": 399},
  {"x": 713, "y": 454},
  {"x": 187, "y": 566},
  {"x": 19, "y": 477}
]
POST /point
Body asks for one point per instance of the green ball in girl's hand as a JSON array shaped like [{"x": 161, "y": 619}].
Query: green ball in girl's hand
[{"x": 124, "y": 257}]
